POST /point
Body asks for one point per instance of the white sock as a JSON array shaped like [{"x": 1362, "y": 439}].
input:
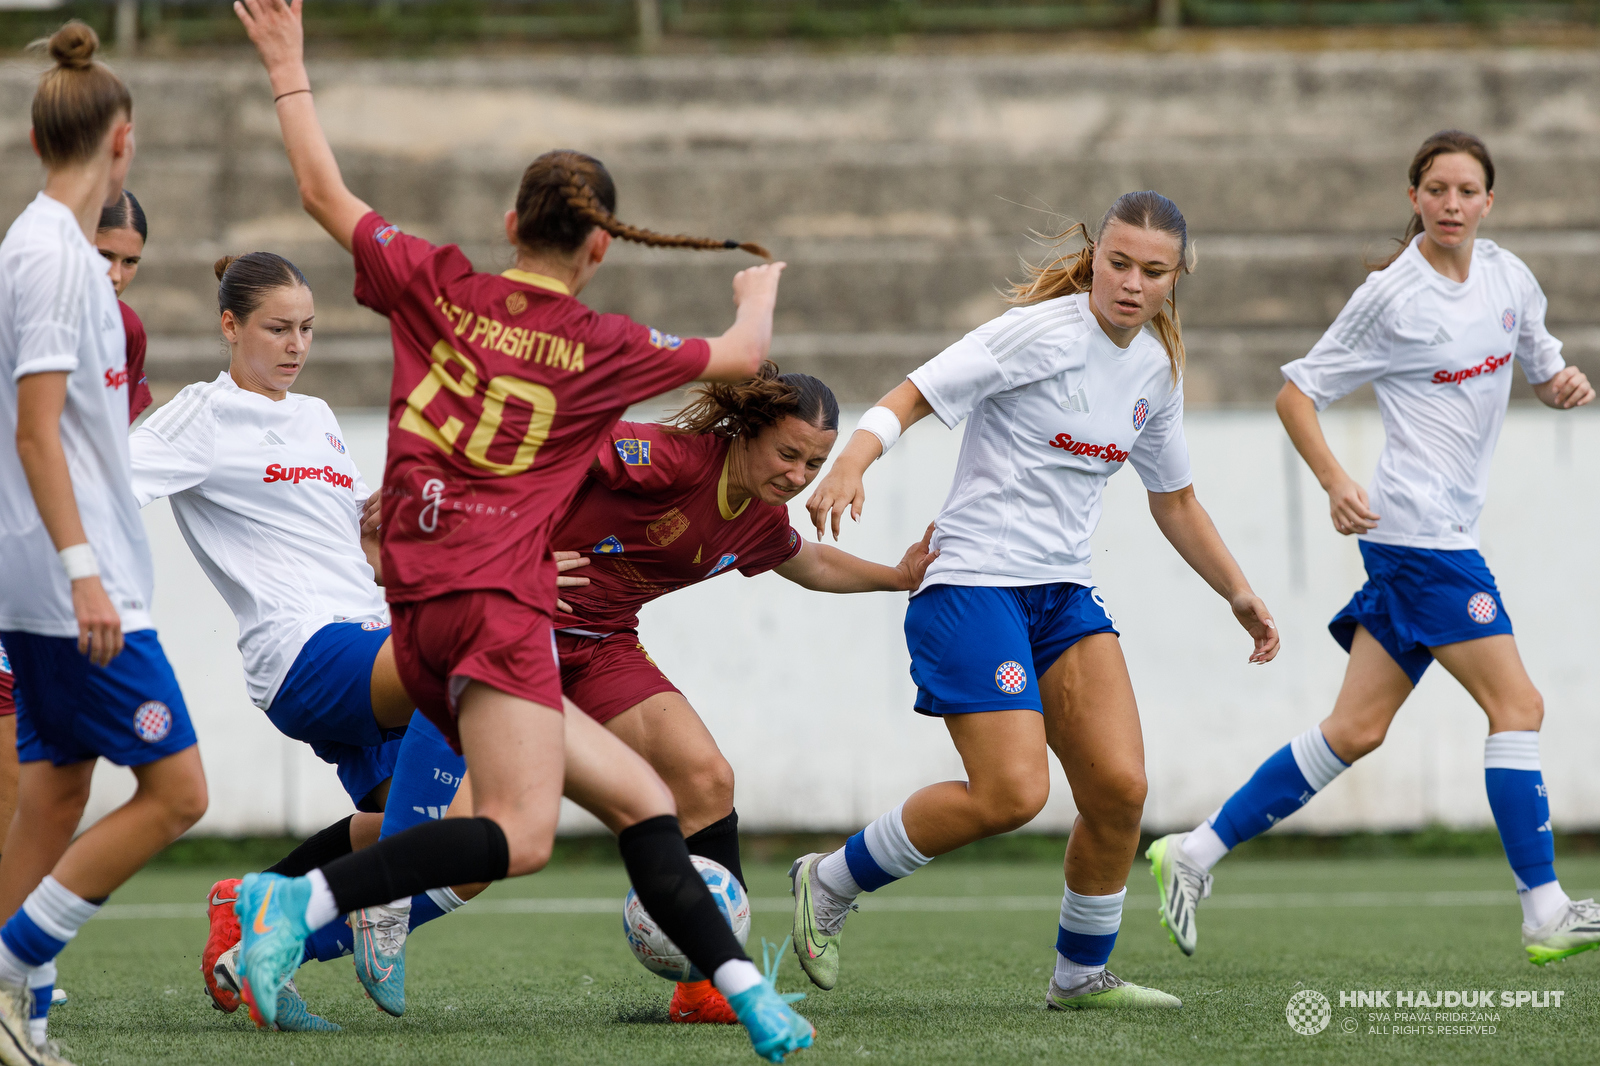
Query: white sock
[
  {"x": 735, "y": 976},
  {"x": 1541, "y": 903},
  {"x": 321, "y": 909},
  {"x": 890, "y": 846},
  {"x": 1203, "y": 845},
  {"x": 1090, "y": 916},
  {"x": 57, "y": 911},
  {"x": 1070, "y": 975},
  {"x": 446, "y": 899},
  {"x": 41, "y": 977},
  {"x": 13, "y": 971},
  {"x": 833, "y": 874}
]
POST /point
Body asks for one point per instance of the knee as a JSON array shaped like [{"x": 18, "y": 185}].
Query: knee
[
  {"x": 1117, "y": 799},
  {"x": 527, "y": 853},
  {"x": 1352, "y": 741},
  {"x": 186, "y": 804},
  {"x": 705, "y": 792},
  {"x": 1013, "y": 803},
  {"x": 1524, "y": 713}
]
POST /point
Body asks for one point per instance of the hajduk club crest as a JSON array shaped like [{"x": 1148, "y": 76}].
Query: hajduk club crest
[
  {"x": 335, "y": 442},
  {"x": 1481, "y": 608},
  {"x": 1508, "y": 320},
  {"x": 1141, "y": 411},
  {"x": 1010, "y": 677}
]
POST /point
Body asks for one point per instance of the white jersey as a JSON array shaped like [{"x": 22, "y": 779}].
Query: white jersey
[
  {"x": 1438, "y": 354},
  {"x": 58, "y": 312},
  {"x": 269, "y": 500},
  {"x": 1054, "y": 408}
]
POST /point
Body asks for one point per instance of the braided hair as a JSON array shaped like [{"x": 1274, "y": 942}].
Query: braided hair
[{"x": 565, "y": 194}]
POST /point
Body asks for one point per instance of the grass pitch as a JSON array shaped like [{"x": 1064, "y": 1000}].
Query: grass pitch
[{"x": 948, "y": 967}]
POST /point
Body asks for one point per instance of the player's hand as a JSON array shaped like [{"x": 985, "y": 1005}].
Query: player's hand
[
  {"x": 276, "y": 31},
  {"x": 1347, "y": 505},
  {"x": 1257, "y": 621},
  {"x": 839, "y": 490},
  {"x": 914, "y": 565},
  {"x": 757, "y": 284},
  {"x": 99, "y": 625},
  {"x": 1568, "y": 389},
  {"x": 566, "y": 561},
  {"x": 371, "y": 515}
]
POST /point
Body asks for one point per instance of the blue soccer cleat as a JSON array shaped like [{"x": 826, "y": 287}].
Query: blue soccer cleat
[
  {"x": 295, "y": 1017},
  {"x": 775, "y": 1029},
  {"x": 272, "y": 923},
  {"x": 380, "y": 942}
]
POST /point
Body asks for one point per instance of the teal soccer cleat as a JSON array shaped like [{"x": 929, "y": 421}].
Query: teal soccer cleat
[
  {"x": 380, "y": 943},
  {"x": 295, "y": 1017},
  {"x": 774, "y": 1027},
  {"x": 272, "y": 920}
]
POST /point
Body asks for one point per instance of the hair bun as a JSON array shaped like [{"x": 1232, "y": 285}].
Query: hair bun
[
  {"x": 73, "y": 46},
  {"x": 221, "y": 265}
]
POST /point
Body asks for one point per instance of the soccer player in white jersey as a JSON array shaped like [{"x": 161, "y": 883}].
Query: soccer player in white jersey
[
  {"x": 91, "y": 680},
  {"x": 1011, "y": 643},
  {"x": 1435, "y": 330}
]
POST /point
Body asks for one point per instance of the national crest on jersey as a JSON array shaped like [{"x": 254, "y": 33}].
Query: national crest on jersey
[
  {"x": 609, "y": 546},
  {"x": 634, "y": 452},
  {"x": 666, "y": 529}
]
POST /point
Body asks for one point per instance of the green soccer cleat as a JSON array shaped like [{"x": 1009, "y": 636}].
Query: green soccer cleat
[
  {"x": 1181, "y": 883},
  {"x": 380, "y": 949},
  {"x": 775, "y": 1028},
  {"x": 818, "y": 923},
  {"x": 1107, "y": 991},
  {"x": 1574, "y": 929},
  {"x": 272, "y": 920}
]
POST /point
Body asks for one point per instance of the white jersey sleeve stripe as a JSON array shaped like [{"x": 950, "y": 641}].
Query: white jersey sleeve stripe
[
  {"x": 1031, "y": 329},
  {"x": 175, "y": 424},
  {"x": 1365, "y": 310}
]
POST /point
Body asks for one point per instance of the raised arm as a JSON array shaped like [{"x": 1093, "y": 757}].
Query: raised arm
[
  {"x": 40, "y": 401},
  {"x": 275, "y": 29},
  {"x": 842, "y": 487},
  {"x": 822, "y": 568},
  {"x": 1347, "y": 500},
  {"x": 1185, "y": 523},
  {"x": 737, "y": 354}
]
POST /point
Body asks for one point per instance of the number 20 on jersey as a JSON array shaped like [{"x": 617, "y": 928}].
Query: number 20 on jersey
[{"x": 446, "y": 435}]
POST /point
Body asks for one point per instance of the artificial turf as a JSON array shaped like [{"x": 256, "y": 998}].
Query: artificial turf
[{"x": 947, "y": 967}]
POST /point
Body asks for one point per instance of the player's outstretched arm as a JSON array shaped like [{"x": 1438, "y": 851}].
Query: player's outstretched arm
[
  {"x": 276, "y": 31},
  {"x": 737, "y": 354},
  {"x": 822, "y": 568},
  {"x": 1569, "y": 388},
  {"x": 1347, "y": 500},
  {"x": 1185, "y": 523},
  {"x": 841, "y": 488},
  {"x": 40, "y": 401}
]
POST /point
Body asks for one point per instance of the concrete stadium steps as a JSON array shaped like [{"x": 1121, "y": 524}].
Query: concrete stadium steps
[{"x": 899, "y": 188}]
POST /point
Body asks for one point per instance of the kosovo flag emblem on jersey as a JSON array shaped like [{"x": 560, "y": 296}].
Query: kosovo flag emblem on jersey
[
  {"x": 609, "y": 546},
  {"x": 633, "y": 452},
  {"x": 722, "y": 564}
]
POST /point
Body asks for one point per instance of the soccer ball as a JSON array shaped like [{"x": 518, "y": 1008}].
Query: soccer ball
[{"x": 659, "y": 954}]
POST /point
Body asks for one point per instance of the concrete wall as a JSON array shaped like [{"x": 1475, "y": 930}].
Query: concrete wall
[
  {"x": 809, "y": 695},
  {"x": 900, "y": 189}
]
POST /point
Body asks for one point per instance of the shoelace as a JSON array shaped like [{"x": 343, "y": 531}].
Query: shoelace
[
  {"x": 1100, "y": 982},
  {"x": 1586, "y": 910},
  {"x": 831, "y": 910},
  {"x": 1194, "y": 879},
  {"x": 772, "y": 957},
  {"x": 387, "y": 925}
]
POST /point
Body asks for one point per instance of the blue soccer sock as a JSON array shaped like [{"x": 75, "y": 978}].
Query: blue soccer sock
[
  {"x": 879, "y": 854},
  {"x": 1086, "y": 935},
  {"x": 1279, "y": 787},
  {"x": 50, "y": 917},
  {"x": 1521, "y": 806}
]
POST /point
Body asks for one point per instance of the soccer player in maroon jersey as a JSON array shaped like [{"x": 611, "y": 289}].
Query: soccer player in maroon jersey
[
  {"x": 670, "y": 505},
  {"x": 503, "y": 387},
  {"x": 120, "y": 237}
]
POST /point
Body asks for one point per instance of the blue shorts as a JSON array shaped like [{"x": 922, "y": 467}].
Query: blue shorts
[
  {"x": 69, "y": 710},
  {"x": 1420, "y": 598},
  {"x": 984, "y": 647},
  {"x": 326, "y": 701}
]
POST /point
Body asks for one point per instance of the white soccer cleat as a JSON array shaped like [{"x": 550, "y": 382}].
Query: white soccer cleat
[
  {"x": 16, "y": 1034},
  {"x": 1574, "y": 928},
  {"x": 1181, "y": 884}
]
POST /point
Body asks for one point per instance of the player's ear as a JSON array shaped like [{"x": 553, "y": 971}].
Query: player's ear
[
  {"x": 230, "y": 327},
  {"x": 511, "y": 227},
  {"x": 599, "y": 243}
]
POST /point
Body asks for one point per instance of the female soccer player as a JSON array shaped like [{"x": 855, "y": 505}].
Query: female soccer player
[
  {"x": 1435, "y": 330},
  {"x": 91, "y": 679},
  {"x": 120, "y": 238},
  {"x": 504, "y": 385},
  {"x": 1010, "y": 642}
]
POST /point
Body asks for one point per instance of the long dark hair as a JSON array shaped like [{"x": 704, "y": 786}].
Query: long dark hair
[
  {"x": 243, "y": 281},
  {"x": 1445, "y": 142},
  {"x": 745, "y": 408},
  {"x": 125, "y": 213}
]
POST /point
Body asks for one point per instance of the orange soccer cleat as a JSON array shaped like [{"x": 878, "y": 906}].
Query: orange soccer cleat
[
  {"x": 699, "y": 1002},
  {"x": 224, "y": 935}
]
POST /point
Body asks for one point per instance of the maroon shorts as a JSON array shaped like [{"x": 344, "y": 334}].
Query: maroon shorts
[
  {"x": 7, "y": 704},
  {"x": 483, "y": 635},
  {"x": 607, "y": 675}
]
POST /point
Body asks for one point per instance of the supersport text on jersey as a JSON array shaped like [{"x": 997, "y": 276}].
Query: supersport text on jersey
[
  {"x": 269, "y": 500},
  {"x": 58, "y": 313},
  {"x": 1438, "y": 354},
  {"x": 1053, "y": 408}
]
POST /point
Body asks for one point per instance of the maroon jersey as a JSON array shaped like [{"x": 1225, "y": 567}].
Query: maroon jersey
[
  {"x": 503, "y": 387},
  {"x": 654, "y": 516},
  {"x": 138, "y": 387}
]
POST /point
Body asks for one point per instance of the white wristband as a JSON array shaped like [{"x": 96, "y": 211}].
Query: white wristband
[
  {"x": 79, "y": 561},
  {"x": 883, "y": 424}
]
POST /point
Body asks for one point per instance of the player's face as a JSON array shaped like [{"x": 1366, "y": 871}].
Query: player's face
[
  {"x": 123, "y": 248},
  {"x": 1134, "y": 272},
  {"x": 1452, "y": 198},
  {"x": 269, "y": 348},
  {"x": 784, "y": 458}
]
